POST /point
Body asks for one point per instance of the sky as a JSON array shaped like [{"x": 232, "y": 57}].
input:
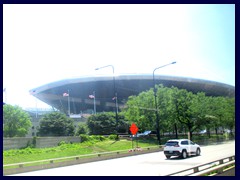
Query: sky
[{"x": 44, "y": 43}]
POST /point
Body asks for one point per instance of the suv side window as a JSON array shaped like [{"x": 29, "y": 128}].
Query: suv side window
[
  {"x": 184, "y": 143},
  {"x": 192, "y": 143}
]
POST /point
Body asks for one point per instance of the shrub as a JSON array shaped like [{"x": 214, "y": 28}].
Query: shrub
[
  {"x": 113, "y": 137},
  {"x": 92, "y": 138},
  {"x": 99, "y": 137},
  {"x": 61, "y": 143},
  {"x": 34, "y": 141},
  {"x": 84, "y": 137},
  {"x": 82, "y": 129}
]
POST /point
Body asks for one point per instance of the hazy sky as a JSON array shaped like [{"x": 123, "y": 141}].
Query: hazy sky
[{"x": 47, "y": 43}]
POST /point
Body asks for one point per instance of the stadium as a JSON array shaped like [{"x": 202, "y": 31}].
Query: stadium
[{"x": 86, "y": 94}]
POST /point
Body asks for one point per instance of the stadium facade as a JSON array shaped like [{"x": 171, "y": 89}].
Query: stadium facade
[{"x": 76, "y": 94}]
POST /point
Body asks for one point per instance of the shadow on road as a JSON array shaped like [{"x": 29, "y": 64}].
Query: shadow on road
[{"x": 179, "y": 158}]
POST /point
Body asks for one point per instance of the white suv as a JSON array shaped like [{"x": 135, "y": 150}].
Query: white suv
[{"x": 181, "y": 147}]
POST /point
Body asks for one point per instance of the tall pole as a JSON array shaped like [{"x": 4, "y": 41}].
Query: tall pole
[
  {"x": 36, "y": 109},
  {"x": 5, "y": 93},
  {"x": 156, "y": 105},
  {"x": 94, "y": 102},
  {"x": 114, "y": 93},
  {"x": 68, "y": 104}
]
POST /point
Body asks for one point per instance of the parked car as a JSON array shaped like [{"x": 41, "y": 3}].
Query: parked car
[
  {"x": 181, "y": 147},
  {"x": 145, "y": 133},
  {"x": 203, "y": 131}
]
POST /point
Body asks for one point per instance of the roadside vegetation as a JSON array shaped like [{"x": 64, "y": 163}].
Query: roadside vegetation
[
  {"x": 94, "y": 144},
  {"x": 16, "y": 121},
  {"x": 90, "y": 145},
  {"x": 181, "y": 111}
]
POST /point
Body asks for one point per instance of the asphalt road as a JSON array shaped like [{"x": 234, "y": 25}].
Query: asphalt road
[{"x": 151, "y": 164}]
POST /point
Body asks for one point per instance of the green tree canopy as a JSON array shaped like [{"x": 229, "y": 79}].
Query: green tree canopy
[
  {"x": 230, "y": 114},
  {"x": 105, "y": 123},
  {"x": 56, "y": 124},
  {"x": 141, "y": 110},
  {"x": 16, "y": 121},
  {"x": 82, "y": 129},
  {"x": 180, "y": 108}
]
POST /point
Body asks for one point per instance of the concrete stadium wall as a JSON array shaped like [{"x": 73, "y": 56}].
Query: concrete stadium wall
[{"x": 41, "y": 142}]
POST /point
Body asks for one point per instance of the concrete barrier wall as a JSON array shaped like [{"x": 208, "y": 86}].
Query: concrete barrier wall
[
  {"x": 16, "y": 143},
  {"x": 53, "y": 141},
  {"x": 41, "y": 142}
]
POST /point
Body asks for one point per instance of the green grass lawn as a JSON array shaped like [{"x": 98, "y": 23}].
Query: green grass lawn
[{"x": 65, "y": 150}]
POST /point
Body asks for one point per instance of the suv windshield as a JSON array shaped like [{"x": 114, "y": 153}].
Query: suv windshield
[{"x": 172, "y": 143}]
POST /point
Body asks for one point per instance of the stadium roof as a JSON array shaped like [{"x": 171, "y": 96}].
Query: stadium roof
[{"x": 80, "y": 88}]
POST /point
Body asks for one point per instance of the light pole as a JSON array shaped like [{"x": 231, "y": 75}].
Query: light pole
[
  {"x": 68, "y": 104},
  {"x": 94, "y": 102},
  {"x": 67, "y": 94},
  {"x": 92, "y": 96},
  {"x": 114, "y": 93},
  {"x": 156, "y": 106}
]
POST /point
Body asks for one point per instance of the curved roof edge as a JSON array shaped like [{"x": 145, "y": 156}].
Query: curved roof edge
[{"x": 125, "y": 77}]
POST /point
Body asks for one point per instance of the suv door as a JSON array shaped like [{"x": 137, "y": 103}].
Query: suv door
[
  {"x": 185, "y": 145},
  {"x": 193, "y": 147}
]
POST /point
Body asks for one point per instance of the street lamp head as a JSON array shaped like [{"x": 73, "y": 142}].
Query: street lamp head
[{"x": 105, "y": 67}]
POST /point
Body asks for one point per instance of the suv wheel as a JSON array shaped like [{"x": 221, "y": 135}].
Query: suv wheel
[
  {"x": 198, "y": 152},
  {"x": 184, "y": 154},
  {"x": 168, "y": 157}
]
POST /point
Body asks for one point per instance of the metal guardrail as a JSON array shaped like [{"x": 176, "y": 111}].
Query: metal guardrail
[
  {"x": 206, "y": 168},
  {"x": 220, "y": 169}
]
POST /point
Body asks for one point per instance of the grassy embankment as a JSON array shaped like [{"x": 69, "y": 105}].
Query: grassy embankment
[{"x": 64, "y": 150}]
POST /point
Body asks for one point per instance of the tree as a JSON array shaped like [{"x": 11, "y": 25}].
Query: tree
[
  {"x": 167, "y": 110},
  {"x": 101, "y": 124},
  {"x": 82, "y": 129},
  {"x": 171, "y": 121},
  {"x": 199, "y": 109},
  {"x": 218, "y": 108},
  {"x": 183, "y": 101},
  {"x": 180, "y": 107},
  {"x": 123, "y": 125},
  {"x": 105, "y": 123},
  {"x": 16, "y": 121},
  {"x": 56, "y": 124},
  {"x": 141, "y": 110},
  {"x": 230, "y": 114}
]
